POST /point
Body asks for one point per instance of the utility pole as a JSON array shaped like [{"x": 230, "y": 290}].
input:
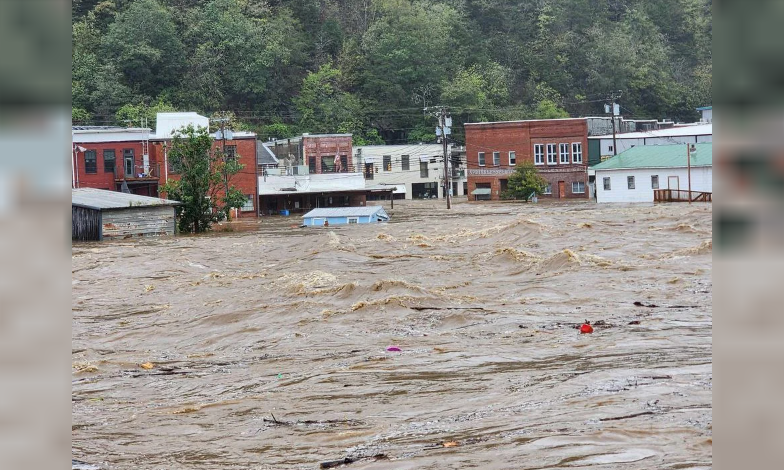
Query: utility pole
[
  {"x": 222, "y": 123},
  {"x": 614, "y": 96},
  {"x": 443, "y": 130},
  {"x": 688, "y": 165}
]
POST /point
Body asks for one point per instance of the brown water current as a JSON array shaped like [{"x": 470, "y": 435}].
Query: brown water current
[{"x": 266, "y": 347}]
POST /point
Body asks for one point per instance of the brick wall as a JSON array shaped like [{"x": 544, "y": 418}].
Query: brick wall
[
  {"x": 103, "y": 179},
  {"x": 327, "y": 146},
  {"x": 520, "y": 137}
]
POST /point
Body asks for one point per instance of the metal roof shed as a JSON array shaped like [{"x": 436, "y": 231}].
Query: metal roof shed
[
  {"x": 345, "y": 215},
  {"x": 99, "y": 214}
]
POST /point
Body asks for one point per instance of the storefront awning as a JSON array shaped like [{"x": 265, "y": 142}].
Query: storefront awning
[{"x": 481, "y": 192}]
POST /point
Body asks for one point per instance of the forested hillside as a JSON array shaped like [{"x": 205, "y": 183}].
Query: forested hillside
[{"x": 369, "y": 66}]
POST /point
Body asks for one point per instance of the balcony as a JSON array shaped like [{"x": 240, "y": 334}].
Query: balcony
[{"x": 138, "y": 174}]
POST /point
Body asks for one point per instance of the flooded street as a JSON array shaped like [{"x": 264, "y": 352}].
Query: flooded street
[{"x": 266, "y": 347}]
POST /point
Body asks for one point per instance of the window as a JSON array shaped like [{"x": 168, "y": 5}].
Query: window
[
  {"x": 551, "y": 154},
  {"x": 539, "y": 154},
  {"x": 610, "y": 148},
  {"x": 654, "y": 181},
  {"x": 577, "y": 152},
  {"x": 404, "y": 162},
  {"x": 423, "y": 169},
  {"x": 606, "y": 183},
  {"x": 90, "y": 162},
  {"x": 578, "y": 187},
  {"x": 231, "y": 152},
  {"x": 548, "y": 189},
  {"x": 496, "y": 158},
  {"x": 108, "y": 161},
  {"x": 344, "y": 163},
  {"x": 481, "y": 159},
  {"x": 564, "y": 151},
  {"x": 512, "y": 158},
  {"x": 311, "y": 165},
  {"x": 368, "y": 171},
  {"x": 130, "y": 162},
  {"x": 353, "y": 220},
  {"x": 630, "y": 182},
  {"x": 327, "y": 164},
  {"x": 504, "y": 185},
  {"x": 387, "y": 163},
  {"x": 248, "y": 206}
]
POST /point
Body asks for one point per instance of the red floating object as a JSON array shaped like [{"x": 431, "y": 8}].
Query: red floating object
[
  {"x": 393, "y": 349},
  {"x": 586, "y": 328}
]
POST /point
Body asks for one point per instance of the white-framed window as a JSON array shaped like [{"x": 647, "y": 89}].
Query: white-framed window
[
  {"x": 248, "y": 206},
  {"x": 481, "y": 159},
  {"x": 606, "y": 183},
  {"x": 539, "y": 154},
  {"x": 630, "y": 182},
  {"x": 578, "y": 187},
  {"x": 654, "y": 181},
  {"x": 496, "y": 158},
  {"x": 577, "y": 152},
  {"x": 551, "y": 156},
  {"x": 353, "y": 220},
  {"x": 563, "y": 150},
  {"x": 548, "y": 189},
  {"x": 512, "y": 158}
]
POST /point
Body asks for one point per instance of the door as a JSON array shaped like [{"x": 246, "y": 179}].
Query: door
[
  {"x": 129, "y": 166},
  {"x": 561, "y": 189},
  {"x": 672, "y": 183}
]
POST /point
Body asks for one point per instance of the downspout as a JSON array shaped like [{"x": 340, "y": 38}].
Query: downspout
[{"x": 73, "y": 168}]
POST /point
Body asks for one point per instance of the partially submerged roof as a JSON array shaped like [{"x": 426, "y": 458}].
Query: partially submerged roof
[
  {"x": 103, "y": 199},
  {"x": 361, "y": 211},
  {"x": 658, "y": 156}
]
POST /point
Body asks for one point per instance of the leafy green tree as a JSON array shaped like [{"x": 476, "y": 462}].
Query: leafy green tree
[
  {"x": 324, "y": 107},
  {"x": 145, "y": 46},
  {"x": 139, "y": 113},
  {"x": 524, "y": 183},
  {"x": 204, "y": 186},
  {"x": 79, "y": 116}
]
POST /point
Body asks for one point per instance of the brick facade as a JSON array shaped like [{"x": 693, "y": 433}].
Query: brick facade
[
  {"x": 318, "y": 146},
  {"x": 246, "y": 180},
  {"x": 521, "y": 137}
]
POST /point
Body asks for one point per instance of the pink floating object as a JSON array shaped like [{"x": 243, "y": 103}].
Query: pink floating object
[{"x": 394, "y": 349}]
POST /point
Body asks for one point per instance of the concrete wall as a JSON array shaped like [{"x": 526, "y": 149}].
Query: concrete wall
[{"x": 701, "y": 180}]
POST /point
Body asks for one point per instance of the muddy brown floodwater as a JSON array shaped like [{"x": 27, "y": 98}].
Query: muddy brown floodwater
[{"x": 267, "y": 347}]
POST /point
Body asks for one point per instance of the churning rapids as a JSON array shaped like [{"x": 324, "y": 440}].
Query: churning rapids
[{"x": 266, "y": 347}]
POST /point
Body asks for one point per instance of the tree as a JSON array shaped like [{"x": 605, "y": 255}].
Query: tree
[
  {"x": 324, "y": 107},
  {"x": 524, "y": 183},
  {"x": 136, "y": 114},
  {"x": 204, "y": 187}
]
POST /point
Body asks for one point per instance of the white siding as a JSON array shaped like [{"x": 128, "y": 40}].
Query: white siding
[
  {"x": 626, "y": 144},
  {"x": 701, "y": 180}
]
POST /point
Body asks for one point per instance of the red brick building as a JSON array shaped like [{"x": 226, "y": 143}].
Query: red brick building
[
  {"x": 316, "y": 152},
  {"x": 107, "y": 157},
  {"x": 242, "y": 146},
  {"x": 557, "y": 147}
]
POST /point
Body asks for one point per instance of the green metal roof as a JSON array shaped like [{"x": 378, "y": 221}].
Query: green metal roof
[
  {"x": 658, "y": 156},
  {"x": 481, "y": 191}
]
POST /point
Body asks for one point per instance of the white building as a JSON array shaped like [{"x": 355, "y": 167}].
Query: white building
[
  {"x": 633, "y": 175},
  {"x": 707, "y": 114},
  {"x": 688, "y": 134},
  {"x": 416, "y": 171}
]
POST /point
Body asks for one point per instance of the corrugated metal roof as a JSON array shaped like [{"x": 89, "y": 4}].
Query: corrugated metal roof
[
  {"x": 658, "y": 156},
  {"x": 345, "y": 211},
  {"x": 100, "y": 199}
]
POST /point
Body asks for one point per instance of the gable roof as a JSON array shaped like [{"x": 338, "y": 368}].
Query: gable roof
[
  {"x": 100, "y": 199},
  {"x": 264, "y": 155},
  {"x": 347, "y": 212},
  {"x": 658, "y": 156}
]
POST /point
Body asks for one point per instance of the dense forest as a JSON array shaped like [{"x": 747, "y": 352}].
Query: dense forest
[{"x": 370, "y": 66}]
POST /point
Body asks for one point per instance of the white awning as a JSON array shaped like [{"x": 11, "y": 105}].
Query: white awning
[
  {"x": 370, "y": 160},
  {"x": 424, "y": 158}
]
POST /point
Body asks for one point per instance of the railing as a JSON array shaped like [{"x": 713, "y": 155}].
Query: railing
[
  {"x": 675, "y": 195},
  {"x": 153, "y": 173}
]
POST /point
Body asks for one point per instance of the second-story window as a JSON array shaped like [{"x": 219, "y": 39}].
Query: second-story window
[
  {"x": 563, "y": 150},
  {"x": 387, "y": 163},
  {"x": 512, "y": 158},
  {"x": 109, "y": 160},
  {"x": 496, "y": 158},
  {"x": 481, "y": 158},
  {"x": 551, "y": 160},
  {"x": 231, "y": 152},
  {"x": 404, "y": 161},
  {"x": 423, "y": 169},
  {"x": 90, "y": 162},
  {"x": 539, "y": 154},
  {"x": 577, "y": 152}
]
